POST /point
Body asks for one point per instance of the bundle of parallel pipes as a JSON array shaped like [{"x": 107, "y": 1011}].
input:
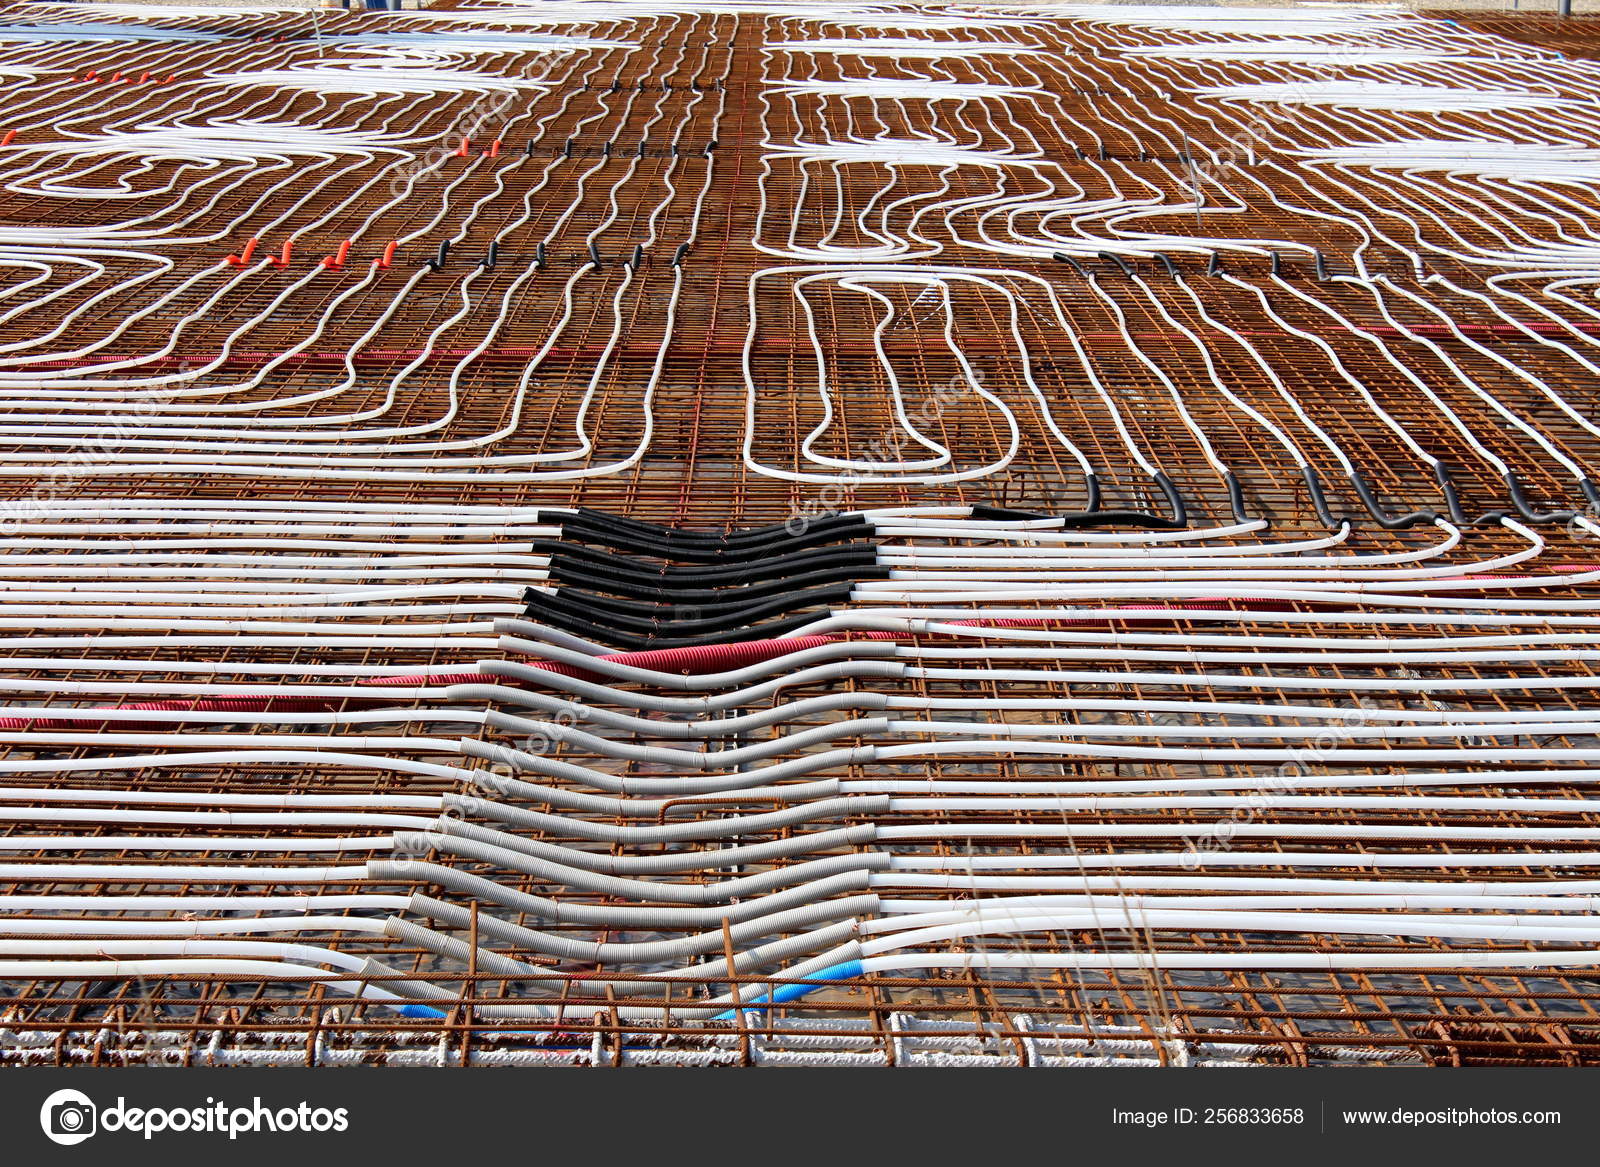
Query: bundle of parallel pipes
[{"x": 761, "y": 532}]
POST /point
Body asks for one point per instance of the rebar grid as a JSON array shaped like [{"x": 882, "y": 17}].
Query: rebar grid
[{"x": 585, "y": 168}]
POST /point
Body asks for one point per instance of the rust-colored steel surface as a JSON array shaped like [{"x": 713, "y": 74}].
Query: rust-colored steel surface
[{"x": 797, "y": 534}]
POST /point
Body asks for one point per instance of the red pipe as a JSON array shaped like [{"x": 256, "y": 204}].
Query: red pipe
[
  {"x": 465, "y": 147},
  {"x": 335, "y": 262},
  {"x": 388, "y": 254},
  {"x": 244, "y": 258},
  {"x": 698, "y": 660},
  {"x": 9, "y": 137},
  {"x": 494, "y": 148},
  {"x": 1559, "y": 568},
  {"x": 283, "y": 259}
]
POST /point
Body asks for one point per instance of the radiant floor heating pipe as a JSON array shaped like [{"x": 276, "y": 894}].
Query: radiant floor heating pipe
[{"x": 1163, "y": 560}]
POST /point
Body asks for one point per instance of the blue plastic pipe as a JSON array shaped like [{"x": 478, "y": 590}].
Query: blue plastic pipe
[{"x": 838, "y": 972}]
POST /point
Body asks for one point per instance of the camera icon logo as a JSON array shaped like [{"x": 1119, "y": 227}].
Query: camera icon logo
[{"x": 68, "y": 1117}]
